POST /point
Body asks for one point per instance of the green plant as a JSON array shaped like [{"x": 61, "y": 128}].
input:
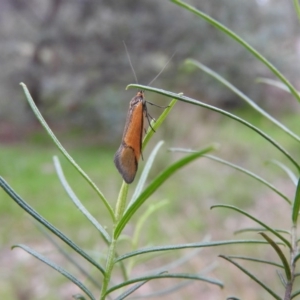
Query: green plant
[
  {"x": 120, "y": 217},
  {"x": 290, "y": 256},
  {"x": 122, "y": 214}
]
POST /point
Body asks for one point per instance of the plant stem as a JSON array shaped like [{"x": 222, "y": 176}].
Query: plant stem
[
  {"x": 119, "y": 211},
  {"x": 294, "y": 252},
  {"x": 109, "y": 268},
  {"x": 121, "y": 202}
]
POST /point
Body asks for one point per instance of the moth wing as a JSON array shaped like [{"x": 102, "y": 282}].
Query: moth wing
[{"x": 126, "y": 163}]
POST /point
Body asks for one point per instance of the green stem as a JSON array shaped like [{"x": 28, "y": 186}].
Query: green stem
[
  {"x": 121, "y": 203},
  {"x": 119, "y": 211},
  {"x": 294, "y": 252},
  {"x": 109, "y": 268}
]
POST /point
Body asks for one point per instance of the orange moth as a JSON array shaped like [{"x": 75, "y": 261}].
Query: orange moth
[{"x": 127, "y": 156}]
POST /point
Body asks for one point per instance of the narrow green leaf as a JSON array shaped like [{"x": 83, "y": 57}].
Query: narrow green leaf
[
  {"x": 287, "y": 170},
  {"x": 133, "y": 289},
  {"x": 168, "y": 275},
  {"x": 253, "y": 277},
  {"x": 242, "y": 42},
  {"x": 154, "y": 185},
  {"x": 232, "y": 298},
  {"x": 296, "y": 204},
  {"x": 236, "y": 167},
  {"x": 145, "y": 173},
  {"x": 44, "y": 222},
  {"x": 175, "y": 264},
  {"x": 295, "y": 294},
  {"x": 296, "y": 257},
  {"x": 79, "y": 297},
  {"x": 143, "y": 218},
  {"x": 68, "y": 257},
  {"x": 167, "y": 291},
  {"x": 189, "y": 245},
  {"x": 249, "y": 173},
  {"x": 81, "y": 208},
  {"x": 57, "y": 268},
  {"x": 156, "y": 124},
  {"x": 297, "y": 8},
  {"x": 281, "y": 278},
  {"x": 136, "y": 236},
  {"x": 259, "y": 229},
  {"x": 221, "y": 111},
  {"x": 285, "y": 241},
  {"x": 273, "y": 82},
  {"x": 280, "y": 254},
  {"x": 121, "y": 201},
  {"x": 64, "y": 151},
  {"x": 77, "y": 202},
  {"x": 255, "y": 260},
  {"x": 242, "y": 96},
  {"x": 175, "y": 287}
]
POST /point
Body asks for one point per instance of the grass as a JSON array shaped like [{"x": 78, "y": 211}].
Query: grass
[
  {"x": 29, "y": 169},
  {"x": 37, "y": 182}
]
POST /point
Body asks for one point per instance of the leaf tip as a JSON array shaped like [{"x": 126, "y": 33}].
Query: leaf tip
[
  {"x": 215, "y": 146},
  {"x": 212, "y": 207},
  {"x": 187, "y": 61}
]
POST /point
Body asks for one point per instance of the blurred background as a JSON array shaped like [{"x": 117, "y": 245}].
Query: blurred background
[{"x": 71, "y": 56}]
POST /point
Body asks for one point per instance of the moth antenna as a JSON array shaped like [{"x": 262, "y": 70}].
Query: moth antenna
[
  {"x": 162, "y": 69},
  {"x": 131, "y": 66}
]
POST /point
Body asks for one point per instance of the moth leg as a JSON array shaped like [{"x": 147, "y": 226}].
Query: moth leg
[{"x": 157, "y": 105}]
